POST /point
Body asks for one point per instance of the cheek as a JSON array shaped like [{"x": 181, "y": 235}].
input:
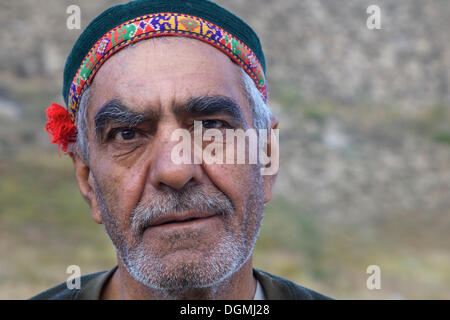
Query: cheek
[
  {"x": 238, "y": 182},
  {"x": 121, "y": 188},
  {"x": 241, "y": 183}
]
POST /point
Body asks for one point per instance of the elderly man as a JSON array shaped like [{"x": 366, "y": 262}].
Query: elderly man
[{"x": 181, "y": 230}]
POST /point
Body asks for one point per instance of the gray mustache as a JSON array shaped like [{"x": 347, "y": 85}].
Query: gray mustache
[{"x": 176, "y": 202}]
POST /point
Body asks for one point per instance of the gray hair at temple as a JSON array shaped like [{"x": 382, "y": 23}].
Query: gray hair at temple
[{"x": 260, "y": 110}]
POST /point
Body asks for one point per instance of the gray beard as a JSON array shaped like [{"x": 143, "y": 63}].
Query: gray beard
[{"x": 148, "y": 267}]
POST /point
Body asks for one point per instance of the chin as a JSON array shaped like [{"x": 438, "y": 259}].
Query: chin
[{"x": 188, "y": 267}]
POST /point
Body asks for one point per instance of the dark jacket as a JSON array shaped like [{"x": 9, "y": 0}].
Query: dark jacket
[{"x": 275, "y": 288}]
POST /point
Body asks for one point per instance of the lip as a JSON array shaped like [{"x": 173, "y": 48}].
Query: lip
[{"x": 188, "y": 217}]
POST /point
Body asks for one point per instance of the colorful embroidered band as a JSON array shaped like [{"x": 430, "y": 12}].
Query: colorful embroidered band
[{"x": 162, "y": 24}]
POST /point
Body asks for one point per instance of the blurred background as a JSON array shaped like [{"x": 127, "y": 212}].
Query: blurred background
[{"x": 365, "y": 148}]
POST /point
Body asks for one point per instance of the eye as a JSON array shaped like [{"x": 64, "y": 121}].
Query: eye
[
  {"x": 214, "y": 124},
  {"x": 126, "y": 134}
]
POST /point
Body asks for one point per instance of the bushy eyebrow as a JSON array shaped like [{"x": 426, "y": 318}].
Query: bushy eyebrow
[
  {"x": 114, "y": 111},
  {"x": 212, "y": 105}
]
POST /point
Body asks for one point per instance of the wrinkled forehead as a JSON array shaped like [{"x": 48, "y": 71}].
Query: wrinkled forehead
[{"x": 164, "y": 72}]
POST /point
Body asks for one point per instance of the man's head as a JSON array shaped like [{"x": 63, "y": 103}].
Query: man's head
[
  {"x": 131, "y": 183},
  {"x": 174, "y": 226}
]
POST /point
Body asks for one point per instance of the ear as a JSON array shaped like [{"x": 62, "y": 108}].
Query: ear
[
  {"x": 271, "y": 168},
  {"x": 85, "y": 181}
]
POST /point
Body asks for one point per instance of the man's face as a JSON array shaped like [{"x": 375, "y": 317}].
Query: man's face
[{"x": 138, "y": 98}]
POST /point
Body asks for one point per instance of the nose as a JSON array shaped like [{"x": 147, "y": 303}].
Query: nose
[{"x": 164, "y": 172}]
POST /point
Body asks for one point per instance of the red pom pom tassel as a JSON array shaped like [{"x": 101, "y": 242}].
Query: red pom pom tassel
[{"x": 60, "y": 128}]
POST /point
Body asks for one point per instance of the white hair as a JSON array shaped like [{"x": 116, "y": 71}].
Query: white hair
[{"x": 260, "y": 110}]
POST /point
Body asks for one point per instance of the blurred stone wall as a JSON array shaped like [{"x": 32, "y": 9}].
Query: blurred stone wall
[
  {"x": 322, "y": 47},
  {"x": 326, "y": 47}
]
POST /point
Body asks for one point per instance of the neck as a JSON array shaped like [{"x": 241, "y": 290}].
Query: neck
[{"x": 241, "y": 285}]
